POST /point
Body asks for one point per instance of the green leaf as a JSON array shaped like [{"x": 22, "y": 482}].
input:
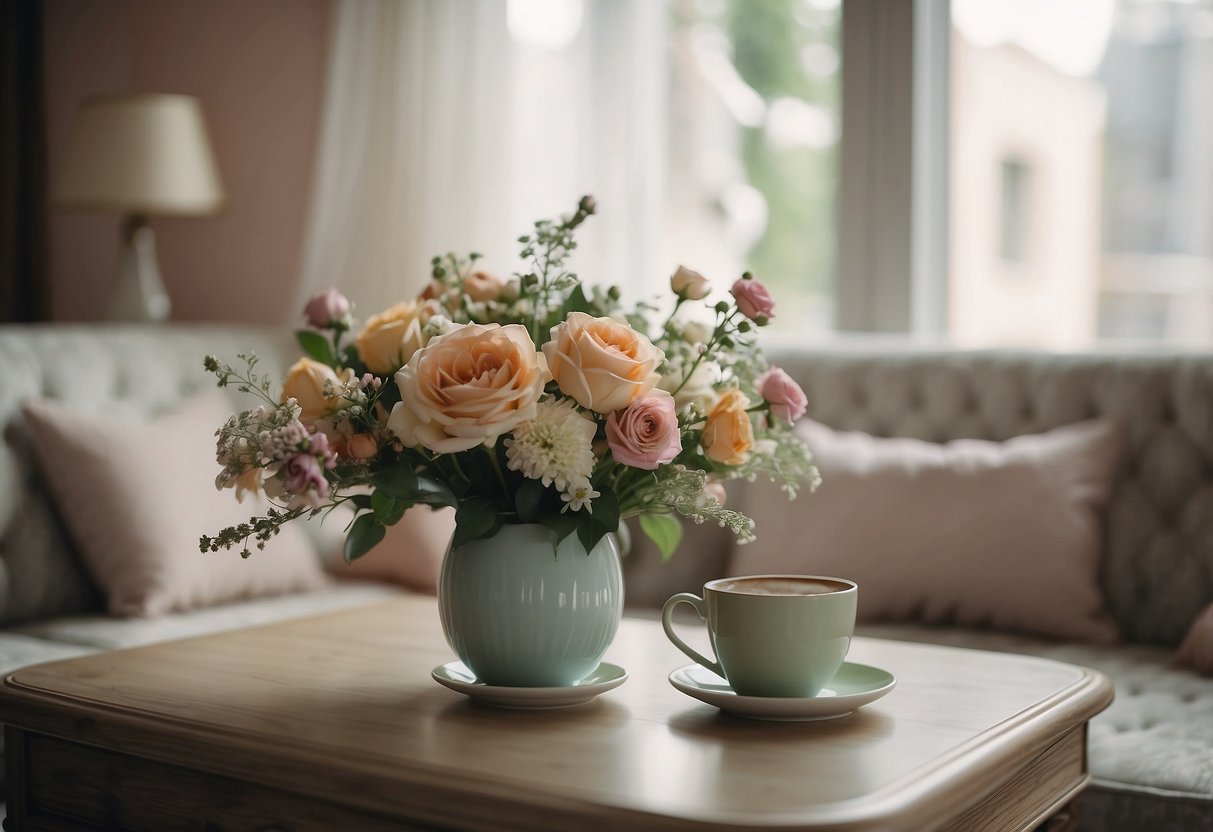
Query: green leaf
[
  {"x": 475, "y": 518},
  {"x": 388, "y": 509},
  {"x": 593, "y": 527},
  {"x": 364, "y": 535},
  {"x": 577, "y": 302},
  {"x": 527, "y": 499},
  {"x": 562, "y": 525},
  {"x": 399, "y": 481},
  {"x": 433, "y": 493},
  {"x": 316, "y": 346},
  {"x": 362, "y": 501},
  {"x": 664, "y": 530}
]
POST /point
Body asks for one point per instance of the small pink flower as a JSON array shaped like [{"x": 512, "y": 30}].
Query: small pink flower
[
  {"x": 432, "y": 291},
  {"x": 303, "y": 477},
  {"x": 716, "y": 491},
  {"x": 645, "y": 434},
  {"x": 787, "y": 400},
  {"x": 753, "y": 299},
  {"x": 327, "y": 308}
]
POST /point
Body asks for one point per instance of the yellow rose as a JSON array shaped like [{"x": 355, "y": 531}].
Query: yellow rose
[
  {"x": 389, "y": 339},
  {"x": 728, "y": 434},
  {"x": 604, "y": 364},
  {"x": 305, "y": 384},
  {"x": 467, "y": 386}
]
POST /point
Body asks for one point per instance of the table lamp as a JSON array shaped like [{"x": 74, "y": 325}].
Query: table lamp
[{"x": 140, "y": 155}]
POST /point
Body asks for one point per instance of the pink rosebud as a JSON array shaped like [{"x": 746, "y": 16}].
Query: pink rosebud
[
  {"x": 645, "y": 434},
  {"x": 787, "y": 400},
  {"x": 716, "y": 490},
  {"x": 303, "y": 477},
  {"x": 327, "y": 308},
  {"x": 753, "y": 299}
]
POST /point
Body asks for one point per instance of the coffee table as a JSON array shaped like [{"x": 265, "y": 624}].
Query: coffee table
[{"x": 333, "y": 722}]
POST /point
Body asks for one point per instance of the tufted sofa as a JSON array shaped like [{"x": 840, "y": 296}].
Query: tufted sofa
[{"x": 1151, "y": 752}]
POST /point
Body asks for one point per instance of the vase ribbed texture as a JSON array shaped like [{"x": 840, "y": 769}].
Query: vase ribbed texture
[{"x": 521, "y": 611}]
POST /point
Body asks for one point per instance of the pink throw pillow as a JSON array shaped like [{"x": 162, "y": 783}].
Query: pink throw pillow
[
  {"x": 977, "y": 533},
  {"x": 136, "y": 497},
  {"x": 1196, "y": 650},
  {"x": 410, "y": 554}
]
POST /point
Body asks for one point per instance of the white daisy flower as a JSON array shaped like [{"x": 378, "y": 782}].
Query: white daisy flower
[
  {"x": 578, "y": 497},
  {"x": 556, "y": 447}
]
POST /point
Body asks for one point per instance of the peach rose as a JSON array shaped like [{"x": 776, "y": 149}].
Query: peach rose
[
  {"x": 362, "y": 446},
  {"x": 467, "y": 387},
  {"x": 305, "y": 384},
  {"x": 728, "y": 434},
  {"x": 389, "y": 339},
  {"x": 483, "y": 286},
  {"x": 604, "y": 364}
]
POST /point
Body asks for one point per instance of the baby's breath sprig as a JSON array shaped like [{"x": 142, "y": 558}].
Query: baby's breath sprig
[
  {"x": 248, "y": 381},
  {"x": 259, "y": 529}
]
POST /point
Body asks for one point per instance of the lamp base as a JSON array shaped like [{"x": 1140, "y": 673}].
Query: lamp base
[{"x": 139, "y": 294}]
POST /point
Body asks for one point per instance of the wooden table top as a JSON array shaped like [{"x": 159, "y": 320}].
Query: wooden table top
[{"x": 342, "y": 706}]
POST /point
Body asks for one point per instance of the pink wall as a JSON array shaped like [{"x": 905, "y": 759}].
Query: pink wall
[{"x": 258, "y": 69}]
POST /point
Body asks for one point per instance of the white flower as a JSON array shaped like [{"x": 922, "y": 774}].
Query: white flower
[
  {"x": 554, "y": 447},
  {"x": 698, "y": 388},
  {"x": 578, "y": 497}
]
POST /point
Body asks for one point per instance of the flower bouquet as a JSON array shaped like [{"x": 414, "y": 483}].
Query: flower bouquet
[{"x": 527, "y": 400}]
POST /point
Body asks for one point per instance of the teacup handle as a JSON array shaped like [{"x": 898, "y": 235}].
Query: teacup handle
[{"x": 667, "y": 612}]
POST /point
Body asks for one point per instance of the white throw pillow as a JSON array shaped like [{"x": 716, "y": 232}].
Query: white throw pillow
[
  {"x": 137, "y": 496},
  {"x": 977, "y": 533}
]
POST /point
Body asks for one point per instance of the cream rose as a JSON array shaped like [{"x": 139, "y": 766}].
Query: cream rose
[
  {"x": 466, "y": 387},
  {"x": 698, "y": 387},
  {"x": 389, "y": 339},
  {"x": 305, "y": 384},
  {"x": 728, "y": 436},
  {"x": 604, "y": 364}
]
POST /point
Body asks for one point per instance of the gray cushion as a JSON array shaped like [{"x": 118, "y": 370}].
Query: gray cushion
[{"x": 1155, "y": 740}]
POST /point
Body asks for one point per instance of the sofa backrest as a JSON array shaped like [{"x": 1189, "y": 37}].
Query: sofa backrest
[
  {"x": 120, "y": 369},
  {"x": 1157, "y": 564}
]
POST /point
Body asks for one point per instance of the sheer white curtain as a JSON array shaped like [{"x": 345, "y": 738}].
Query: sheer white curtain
[{"x": 446, "y": 129}]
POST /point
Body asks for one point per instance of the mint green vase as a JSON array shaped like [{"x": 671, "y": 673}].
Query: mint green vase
[{"x": 521, "y": 611}]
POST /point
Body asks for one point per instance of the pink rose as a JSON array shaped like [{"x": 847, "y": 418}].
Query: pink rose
[
  {"x": 303, "y": 477},
  {"x": 327, "y": 308},
  {"x": 645, "y": 434},
  {"x": 787, "y": 400},
  {"x": 753, "y": 299}
]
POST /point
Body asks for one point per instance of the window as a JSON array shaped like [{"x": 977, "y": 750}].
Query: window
[
  {"x": 1013, "y": 212},
  {"x": 1081, "y": 200},
  {"x": 754, "y": 132}
]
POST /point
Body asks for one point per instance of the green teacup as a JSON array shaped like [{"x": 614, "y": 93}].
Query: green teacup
[{"x": 774, "y": 635}]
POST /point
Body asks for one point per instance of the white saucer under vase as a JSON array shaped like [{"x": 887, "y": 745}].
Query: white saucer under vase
[
  {"x": 456, "y": 676},
  {"x": 854, "y": 686}
]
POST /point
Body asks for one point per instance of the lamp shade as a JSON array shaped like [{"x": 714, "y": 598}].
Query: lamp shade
[{"x": 146, "y": 154}]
